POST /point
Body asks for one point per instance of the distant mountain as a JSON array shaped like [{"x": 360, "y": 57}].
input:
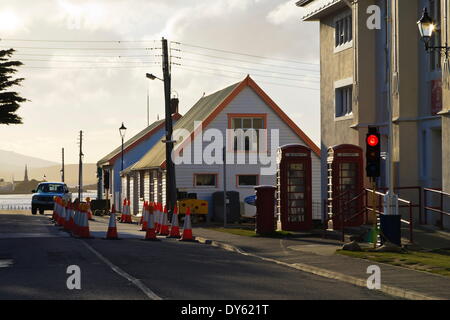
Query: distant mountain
[
  {"x": 9, "y": 159},
  {"x": 13, "y": 164},
  {"x": 53, "y": 173}
]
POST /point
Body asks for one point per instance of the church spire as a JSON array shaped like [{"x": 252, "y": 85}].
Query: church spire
[{"x": 25, "y": 179}]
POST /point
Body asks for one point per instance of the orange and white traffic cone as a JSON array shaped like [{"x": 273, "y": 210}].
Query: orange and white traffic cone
[
  {"x": 89, "y": 211},
  {"x": 62, "y": 216},
  {"x": 112, "y": 227},
  {"x": 157, "y": 216},
  {"x": 129, "y": 220},
  {"x": 66, "y": 226},
  {"x": 151, "y": 234},
  {"x": 83, "y": 231},
  {"x": 164, "y": 225},
  {"x": 76, "y": 220},
  {"x": 187, "y": 227},
  {"x": 72, "y": 212},
  {"x": 54, "y": 208},
  {"x": 124, "y": 211},
  {"x": 174, "y": 228},
  {"x": 145, "y": 216}
]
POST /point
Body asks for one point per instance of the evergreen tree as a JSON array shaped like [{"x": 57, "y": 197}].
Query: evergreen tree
[{"x": 9, "y": 100}]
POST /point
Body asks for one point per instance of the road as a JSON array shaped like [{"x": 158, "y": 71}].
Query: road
[{"x": 35, "y": 255}]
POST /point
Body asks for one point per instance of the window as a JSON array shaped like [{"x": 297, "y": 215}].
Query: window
[
  {"x": 205, "y": 180},
  {"x": 247, "y": 138},
  {"x": 343, "y": 30},
  {"x": 344, "y": 101},
  {"x": 247, "y": 180}
]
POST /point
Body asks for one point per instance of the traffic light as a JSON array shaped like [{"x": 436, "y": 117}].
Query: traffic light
[{"x": 373, "y": 153}]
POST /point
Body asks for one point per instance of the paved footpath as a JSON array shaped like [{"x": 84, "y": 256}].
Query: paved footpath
[{"x": 316, "y": 255}]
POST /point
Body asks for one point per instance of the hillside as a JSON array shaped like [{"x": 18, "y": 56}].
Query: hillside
[
  {"x": 12, "y": 164},
  {"x": 53, "y": 173}
]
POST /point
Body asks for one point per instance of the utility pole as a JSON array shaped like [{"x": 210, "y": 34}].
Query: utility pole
[
  {"x": 171, "y": 188},
  {"x": 225, "y": 187},
  {"x": 62, "y": 167},
  {"x": 80, "y": 168}
]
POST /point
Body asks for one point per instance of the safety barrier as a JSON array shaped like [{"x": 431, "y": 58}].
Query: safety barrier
[
  {"x": 14, "y": 207},
  {"x": 74, "y": 218}
]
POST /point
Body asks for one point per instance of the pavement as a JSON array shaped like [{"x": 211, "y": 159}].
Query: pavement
[
  {"x": 35, "y": 256},
  {"x": 313, "y": 254}
]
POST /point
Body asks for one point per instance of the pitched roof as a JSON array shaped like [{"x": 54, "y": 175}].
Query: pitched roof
[
  {"x": 206, "y": 110},
  {"x": 136, "y": 139}
]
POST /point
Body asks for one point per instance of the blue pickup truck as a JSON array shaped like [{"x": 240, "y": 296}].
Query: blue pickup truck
[{"x": 42, "y": 198}]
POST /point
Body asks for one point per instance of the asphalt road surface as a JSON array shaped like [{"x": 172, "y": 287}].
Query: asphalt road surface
[{"x": 35, "y": 255}]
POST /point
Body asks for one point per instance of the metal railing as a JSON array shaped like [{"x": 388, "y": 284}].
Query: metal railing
[
  {"x": 439, "y": 209},
  {"x": 365, "y": 209},
  {"x": 13, "y": 207}
]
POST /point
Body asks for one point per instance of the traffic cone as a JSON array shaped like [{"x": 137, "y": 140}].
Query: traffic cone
[
  {"x": 151, "y": 234},
  {"x": 164, "y": 225},
  {"x": 187, "y": 227},
  {"x": 62, "y": 216},
  {"x": 124, "y": 210},
  {"x": 145, "y": 216},
  {"x": 129, "y": 220},
  {"x": 112, "y": 227},
  {"x": 54, "y": 208},
  {"x": 175, "y": 228},
  {"x": 72, "y": 212},
  {"x": 66, "y": 226},
  {"x": 89, "y": 211},
  {"x": 76, "y": 218},
  {"x": 83, "y": 231},
  {"x": 156, "y": 216}
]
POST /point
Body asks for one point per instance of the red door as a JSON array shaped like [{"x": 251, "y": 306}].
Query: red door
[{"x": 295, "y": 190}]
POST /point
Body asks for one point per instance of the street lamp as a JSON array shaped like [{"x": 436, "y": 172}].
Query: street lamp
[
  {"x": 122, "y": 131},
  {"x": 426, "y": 27}
]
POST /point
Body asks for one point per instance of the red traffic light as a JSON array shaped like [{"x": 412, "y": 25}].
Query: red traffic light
[{"x": 372, "y": 140}]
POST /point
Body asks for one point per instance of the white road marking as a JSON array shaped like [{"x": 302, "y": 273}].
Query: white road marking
[
  {"x": 138, "y": 283},
  {"x": 5, "y": 263}
]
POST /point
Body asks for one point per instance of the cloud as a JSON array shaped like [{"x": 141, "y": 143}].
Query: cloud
[{"x": 286, "y": 12}]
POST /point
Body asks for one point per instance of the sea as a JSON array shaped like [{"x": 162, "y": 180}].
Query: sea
[{"x": 23, "y": 201}]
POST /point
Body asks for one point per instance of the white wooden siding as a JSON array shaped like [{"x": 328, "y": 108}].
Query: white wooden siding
[{"x": 246, "y": 102}]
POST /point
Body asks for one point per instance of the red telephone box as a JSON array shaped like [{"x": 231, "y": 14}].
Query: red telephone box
[
  {"x": 345, "y": 184},
  {"x": 294, "y": 191}
]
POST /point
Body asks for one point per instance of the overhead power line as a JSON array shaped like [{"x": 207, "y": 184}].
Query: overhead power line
[
  {"x": 237, "y": 72},
  {"x": 244, "y": 54},
  {"x": 240, "y": 78},
  {"x": 85, "y": 55},
  {"x": 237, "y": 67},
  {"x": 80, "y": 48},
  {"x": 247, "y": 61},
  {"x": 86, "y": 61},
  {"x": 79, "y": 41}
]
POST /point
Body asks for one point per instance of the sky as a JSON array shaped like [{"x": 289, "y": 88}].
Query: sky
[{"x": 85, "y": 79}]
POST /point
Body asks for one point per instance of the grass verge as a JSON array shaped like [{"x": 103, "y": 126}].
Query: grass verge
[
  {"x": 436, "y": 261},
  {"x": 252, "y": 233}
]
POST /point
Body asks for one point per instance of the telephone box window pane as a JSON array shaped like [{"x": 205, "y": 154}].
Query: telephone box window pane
[
  {"x": 296, "y": 166},
  {"x": 296, "y": 188}
]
